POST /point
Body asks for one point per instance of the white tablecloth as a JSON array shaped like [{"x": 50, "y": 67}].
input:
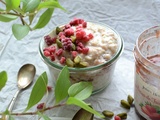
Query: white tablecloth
[{"x": 128, "y": 17}]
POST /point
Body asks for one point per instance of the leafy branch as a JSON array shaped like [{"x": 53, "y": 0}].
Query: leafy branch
[
  {"x": 65, "y": 94},
  {"x": 26, "y": 11}
]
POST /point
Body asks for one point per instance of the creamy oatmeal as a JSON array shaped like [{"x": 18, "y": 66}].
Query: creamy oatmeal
[{"x": 81, "y": 44}]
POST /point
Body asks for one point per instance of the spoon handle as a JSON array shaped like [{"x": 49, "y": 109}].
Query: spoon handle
[{"x": 11, "y": 104}]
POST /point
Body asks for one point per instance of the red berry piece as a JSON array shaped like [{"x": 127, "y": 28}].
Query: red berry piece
[
  {"x": 76, "y": 21},
  {"x": 67, "y": 26},
  {"x": 79, "y": 49},
  {"x": 74, "y": 54},
  {"x": 49, "y": 51},
  {"x": 62, "y": 60},
  {"x": 53, "y": 40},
  {"x": 69, "y": 32},
  {"x": 71, "y": 23},
  {"x": 46, "y": 53},
  {"x": 49, "y": 88},
  {"x": 80, "y": 44},
  {"x": 61, "y": 35},
  {"x": 48, "y": 40},
  {"x": 52, "y": 57},
  {"x": 85, "y": 50},
  {"x": 78, "y": 28},
  {"x": 59, "y": 52},
  {"x": 84, "y": 24},
  {"x": 90, "y": 35},
  {"x": 117, "y": 118},
  {"x": 67, "y": 44},
  {"x": 80, "y": 34},
  {"x": 41, "y": 106},
  {"x": 52, "y": 49},
  {"x": 86, "y": 38},
  {"x": 81, "y": 21}
]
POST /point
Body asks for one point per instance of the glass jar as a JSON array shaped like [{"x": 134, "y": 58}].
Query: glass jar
[
  {"x": 147, "y": 74},
  {"x": 100, "y": 75}
]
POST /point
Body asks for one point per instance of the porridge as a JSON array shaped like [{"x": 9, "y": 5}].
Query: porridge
[{"x": 81, "y": 44}]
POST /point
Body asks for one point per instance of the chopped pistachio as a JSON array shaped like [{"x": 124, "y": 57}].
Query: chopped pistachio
[
  {"x": 59, "y": 44},
  {"x": 69, "y": 62},
  {"x": 130, "y": 99},
  {"x": 108, "y": 113},
  {"x": 122, "y": 115},
  {"x": 73, "y": 38},
  {"x": 77, "y": 59},
  {"x": 58, "y": 30},
  {"x": 125, "y": 104},
  {"x": 84, "y": 64},
  {"x": 73, "y": 46}
]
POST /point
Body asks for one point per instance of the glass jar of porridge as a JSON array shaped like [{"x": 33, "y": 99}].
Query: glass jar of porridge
[
  {"x": 147, "y": 74},
  {"x": 99, "y": 71}
]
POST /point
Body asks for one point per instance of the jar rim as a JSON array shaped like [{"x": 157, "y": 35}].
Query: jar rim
[
  {"x": 150, "y": 64},
  {"x": 109, "y": 62}
]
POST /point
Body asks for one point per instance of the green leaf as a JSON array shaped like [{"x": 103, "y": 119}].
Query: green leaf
[
  {"x": 43, "y": 116},
  {"x": 20, "y": 11},
  {"x": 3, "y": 79},
  {"x": 31, "y": 17},
  {"x": 15, "y": 3},
  {"x": 62, "y": 85},
  {"x": 20, "y": 31},
  {"x": 44, "y": 19},
  {"x": 50, "y": 4},
  {"x": 7, "y": 18},
  {"x": 38, "y": 91},
  {"x": 82, "y": 104},
  {"x": 81, "y": 90},
  {"x": 12, "y": 4},
  {"x": 30, "y": 5}
]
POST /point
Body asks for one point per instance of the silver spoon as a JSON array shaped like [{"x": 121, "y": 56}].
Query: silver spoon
[{"x": 24, "y": 79}]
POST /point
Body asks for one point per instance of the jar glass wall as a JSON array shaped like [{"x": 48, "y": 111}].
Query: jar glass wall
[
  {"x": 100, "y": 75},
  {"x": 147, "y": 74}
]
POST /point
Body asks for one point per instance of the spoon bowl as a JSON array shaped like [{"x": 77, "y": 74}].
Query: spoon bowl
[
  {"x": 25, "y": 76},
  {"x": 24, "y": 79}
]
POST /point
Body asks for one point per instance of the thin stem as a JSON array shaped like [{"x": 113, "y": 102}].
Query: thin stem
[
  {"x": 28, "y": 25},
  {"x": 22, "y": 20},
  {"x": 36, "y": 112},
  {"x": 9, "y": 13}
]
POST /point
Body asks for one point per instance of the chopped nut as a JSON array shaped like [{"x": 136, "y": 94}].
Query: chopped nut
[
  {"x": 122, "y": 115},
  {"x": 107, "y": 113},
  {"x": 130, "y": 99},
  {"x": 77, "y": 59},
  {"x": 125, "y": 104},
  {"x": 69, "y": 62}
]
